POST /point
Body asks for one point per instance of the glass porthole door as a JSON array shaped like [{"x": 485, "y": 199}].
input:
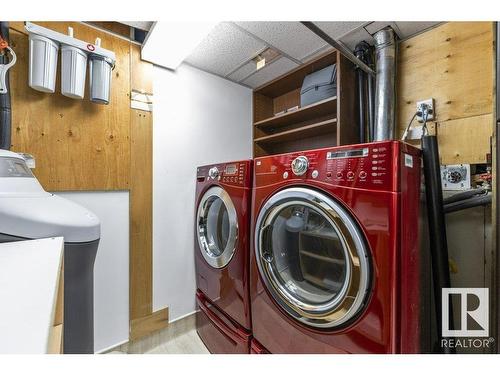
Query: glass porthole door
[
  {"x": 217, "y": 227},
  {"x": 312, "y": 257}
]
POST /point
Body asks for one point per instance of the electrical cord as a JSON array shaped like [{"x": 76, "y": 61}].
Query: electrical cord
[
  {"x": 423, "y": 112},
  {"x": 407, "y": 130}
]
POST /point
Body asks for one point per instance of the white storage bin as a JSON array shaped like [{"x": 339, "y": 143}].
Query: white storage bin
[
  {"x": 73, "y": 72},
  {"x": 42, "y": 63},
  {"x": 100, "y": 79}
]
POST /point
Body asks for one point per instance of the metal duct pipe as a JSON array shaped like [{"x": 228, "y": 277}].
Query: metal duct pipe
[
  {"x": 5, "y": 108},
  {"x": 385, "y": 98}
]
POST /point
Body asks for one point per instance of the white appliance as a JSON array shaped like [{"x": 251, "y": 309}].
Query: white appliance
[{"x": 27, "y": 211}]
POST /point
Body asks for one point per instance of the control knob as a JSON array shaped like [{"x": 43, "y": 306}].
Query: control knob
[
  {"x": 300, "y": 165},
  {"x": 213, "y": 173}
]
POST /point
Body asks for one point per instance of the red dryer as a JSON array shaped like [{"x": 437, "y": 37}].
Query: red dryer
[
  {"x": 223, "y": 201},
  {"x": 335, "y": 260}
]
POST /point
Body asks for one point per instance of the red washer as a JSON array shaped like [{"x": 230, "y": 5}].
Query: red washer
[
  {"x": 223, "y": 200},
  {"x": 335, "y": 262}
]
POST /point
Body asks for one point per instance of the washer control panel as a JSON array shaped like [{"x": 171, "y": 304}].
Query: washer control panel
[
  {"x": 236, "y": 173},
  {"x": 369, "y": 166},
  {"x": 299, "y": 165}
]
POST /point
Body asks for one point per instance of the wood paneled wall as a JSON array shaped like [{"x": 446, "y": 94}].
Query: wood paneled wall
[
  {"x": 79, "y": 145},
  {"x": 452, "y": 63}
]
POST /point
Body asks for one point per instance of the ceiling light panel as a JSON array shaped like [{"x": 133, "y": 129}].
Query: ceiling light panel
[
  {"x": 270, "y": 72},
  {"x": 293, "y": 38},
  {"x": 224, "y": 49},
  {"x": 168, "y": 43}
]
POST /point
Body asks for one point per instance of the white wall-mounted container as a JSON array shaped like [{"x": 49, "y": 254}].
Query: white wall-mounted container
[
  {"x": 42, "y": 63},
  {"x": 100, "y": 69},
  {"x": 73, "y": 72}
]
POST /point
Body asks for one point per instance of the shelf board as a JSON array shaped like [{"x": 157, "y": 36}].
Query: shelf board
[
  {"x": 318, "y": 109},
  {"x": 319, "y": 128}
]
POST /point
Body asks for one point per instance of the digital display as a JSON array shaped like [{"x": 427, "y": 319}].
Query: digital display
[
  {"x": 231, "y": 169},
  {"x": 358, "y": 153}
]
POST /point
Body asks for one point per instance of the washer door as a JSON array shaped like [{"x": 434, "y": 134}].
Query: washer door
[
  {"x": 217, "y": 226},
  {"x": 312, "y": 257}
]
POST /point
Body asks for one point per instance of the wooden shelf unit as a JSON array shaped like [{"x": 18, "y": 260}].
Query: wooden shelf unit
[{"x": 329, "y": 122}]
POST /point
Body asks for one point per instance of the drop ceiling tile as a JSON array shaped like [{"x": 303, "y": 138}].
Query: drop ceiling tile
[
  {"x": 356, "y": 36},
  {"x": 270, "y": 72},
  {"x": 225, "y": 48},
  {"x": 243, "y": 72},
  {"x": 373, "y": 27},
  {"x": 409, "y": 29},
  {"x": 317, "y": 53},
  {"x": 337, "y": 29},
  {"x": 292, "y": 38}
]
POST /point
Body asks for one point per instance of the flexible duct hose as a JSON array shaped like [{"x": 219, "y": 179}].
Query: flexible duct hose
[{"x": 465, "y": 195}]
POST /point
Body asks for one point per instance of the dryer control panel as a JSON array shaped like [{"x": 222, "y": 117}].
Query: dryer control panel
[
  {"x": 368, "y": 166},
  {"x": 234, "y": 173}
]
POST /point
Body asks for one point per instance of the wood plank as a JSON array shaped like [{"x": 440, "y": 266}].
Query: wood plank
[
  {"x": 465, "y": 140},
  {"x": 78, "y": 145},
  {"x": 451, "y": 63},
  {"x": 55, "y": 345},
  {"x": 141, "y": 72},
  {"x": 59, "y": 313},
  {"x": 286, "y": 101},
  {"x": 144, "y": 326},
  {"x": 114, "y": 27},
  {"x": 262, "y": 107},
  {"x": 318, "y": 109},
  {"x": 141, "y": 193},
  {"x": 320, "y": 128},
  {"x": 347, "y": 107}
]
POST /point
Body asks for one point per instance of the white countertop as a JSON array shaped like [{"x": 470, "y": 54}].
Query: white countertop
[{"x": 29, "y": 278}]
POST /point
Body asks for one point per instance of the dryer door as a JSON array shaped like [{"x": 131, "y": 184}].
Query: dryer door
[
  {"x": 312, "y": 257},
  {"x": 217, "y": 227}
]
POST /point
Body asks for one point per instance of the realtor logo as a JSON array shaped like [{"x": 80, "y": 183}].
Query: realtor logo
[{"x": 472, "y": 307}]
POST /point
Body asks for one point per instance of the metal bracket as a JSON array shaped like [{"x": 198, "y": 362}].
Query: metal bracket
[
  {"x": 340, "y": 47},
  {"x": 4, "y": 68},
  {"x": 92, "y": 49}
]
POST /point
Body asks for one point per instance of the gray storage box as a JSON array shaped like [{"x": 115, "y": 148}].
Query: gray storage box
[{"x": 319, "y": 85}]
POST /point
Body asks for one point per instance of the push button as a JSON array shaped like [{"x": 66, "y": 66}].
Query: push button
[{"x": 350, "y": 175}]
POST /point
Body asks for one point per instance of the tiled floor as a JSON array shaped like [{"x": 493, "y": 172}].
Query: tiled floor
[
  {"x": 187, "y": 343},
  {"x": 179, "y": 337}
]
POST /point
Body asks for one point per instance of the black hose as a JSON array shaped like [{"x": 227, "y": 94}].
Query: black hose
[
  {"x": 464, "y": 195},
  {"x": 358, "y": 51},
  {"x": 371, "y": 96},
  {"x": 437, "y": 231},
  {"x": 482, "y": 200},
  {"x": 5, "y": 106},
  {"x": 361, "y": 50}
]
